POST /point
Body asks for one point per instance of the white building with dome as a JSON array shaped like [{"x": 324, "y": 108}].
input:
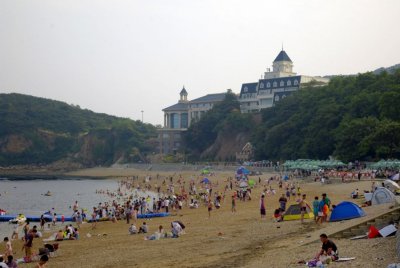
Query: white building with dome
[
  {"x": 179, "y": 117},
  {"x": 276, "y": 85}
]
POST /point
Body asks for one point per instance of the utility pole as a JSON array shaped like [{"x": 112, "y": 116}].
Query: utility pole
[{"x": 142, "y": 115}]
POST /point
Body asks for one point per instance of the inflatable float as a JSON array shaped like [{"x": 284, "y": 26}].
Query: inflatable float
[
  {"x": 140, "y": 216},
  {"x": 49, "y": 218},
  {"x": 20, "y": 219}
]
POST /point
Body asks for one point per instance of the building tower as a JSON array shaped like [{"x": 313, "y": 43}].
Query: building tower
[
  {"x": 183, "y": 95},
  {"x": 281, "y": 67}
]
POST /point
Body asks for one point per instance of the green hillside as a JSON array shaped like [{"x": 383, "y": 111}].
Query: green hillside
[
  {"x": 41, "y": 131},
  {"x": 352, "y": 118}
]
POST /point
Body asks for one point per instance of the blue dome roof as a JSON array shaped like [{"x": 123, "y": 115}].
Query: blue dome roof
[{"x": 282, "y": 56}]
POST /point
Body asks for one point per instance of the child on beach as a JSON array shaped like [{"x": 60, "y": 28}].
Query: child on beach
[
  {"x": 14, "y": 235},
  {"x": 132, "y": 229},
  {"x": 8, "y": 250},
  {"x": 144, "y": 228}
]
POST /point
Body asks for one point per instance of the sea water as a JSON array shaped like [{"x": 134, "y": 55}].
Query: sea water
[{"x": 28, "y": 196}]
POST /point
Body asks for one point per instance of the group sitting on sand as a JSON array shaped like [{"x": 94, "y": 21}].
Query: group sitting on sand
[
  {"x": 70, "y": 233},
  {"x": 177, "y": 228}
]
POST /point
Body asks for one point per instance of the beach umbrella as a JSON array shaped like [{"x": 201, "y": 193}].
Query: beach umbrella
[{"x": 252, "y": 183}]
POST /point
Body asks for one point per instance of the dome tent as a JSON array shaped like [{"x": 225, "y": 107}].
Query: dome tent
[
  {"x": 392, "y": 186},
  {"x": 382, "y": 196},
  {"x": 294, "y": 213},
  {"x": 346, "y": 211}
]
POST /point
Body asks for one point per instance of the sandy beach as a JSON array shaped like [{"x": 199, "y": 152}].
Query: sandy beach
[{"x": 223, "y": 240}]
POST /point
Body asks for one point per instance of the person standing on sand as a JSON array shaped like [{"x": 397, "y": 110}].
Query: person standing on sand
[
  {"x": 315, "y": 205},
  {"x": 166, "y": 204},
  {"x": 26, "y": 229},
  {"x": 128, "y": 212},
  {"x": 15, "y": 233},
  {"x": 233, "y": 204},
  {"x": 209, "y": 207},
  {"x": 282, "y": 202},
  {"x": 42, "y": 222},
  {"x": 262, "y": 206},
  {"x": 326, "y": 200},
  {"x": 303, "y": 207},
  {"x": 29, "y": 242},
  {"x": 94, "y": 218},
  {"x": 321, "y": 215}
]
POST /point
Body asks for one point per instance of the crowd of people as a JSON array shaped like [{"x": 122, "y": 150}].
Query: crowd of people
[{"x": 135, "y": 197}]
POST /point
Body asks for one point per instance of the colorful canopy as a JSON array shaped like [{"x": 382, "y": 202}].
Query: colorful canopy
[
  {"x": 307, "y": 164},
  {"x": 386, "y": 164}
]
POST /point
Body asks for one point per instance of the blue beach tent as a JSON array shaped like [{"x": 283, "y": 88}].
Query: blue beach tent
[
  {"x": 205, "y": 180},
  {"x": 242, "y": 170},
  {"x": 346, "y": 211}
]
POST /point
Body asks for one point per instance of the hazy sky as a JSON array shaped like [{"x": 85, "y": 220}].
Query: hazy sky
[{"x": 121, "y": 57}]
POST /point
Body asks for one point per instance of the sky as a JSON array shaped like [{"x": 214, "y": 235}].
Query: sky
[{"x": 122, "y": 57}]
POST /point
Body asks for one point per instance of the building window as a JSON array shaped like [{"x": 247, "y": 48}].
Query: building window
[
  {"x": 261, "y": 85},
  {"x": 165, "y": 135},
  {"x": 276, "y": 98},
  {"x": 289, "y": 83},
  {"x": 268, "y": 84},
  {"x": 282, "y": 84},
  {"x": 184, "y": 120},
  {"x": 175, "y": 121},
  {"x": 296, "y": 82},
  {"x": 246, "y": 89},
  {"x": 275, "y": 84}
]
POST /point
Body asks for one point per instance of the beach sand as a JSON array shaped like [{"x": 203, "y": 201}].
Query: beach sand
[{"x": 224, "y": 240}]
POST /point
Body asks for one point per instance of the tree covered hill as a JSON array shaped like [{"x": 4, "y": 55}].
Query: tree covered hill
[
  {"x": 41, "y": 131},
  {"x": 351, "y": 118}
]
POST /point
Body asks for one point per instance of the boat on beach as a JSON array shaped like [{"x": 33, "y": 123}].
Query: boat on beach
[{"x": 48, "y": 193}]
